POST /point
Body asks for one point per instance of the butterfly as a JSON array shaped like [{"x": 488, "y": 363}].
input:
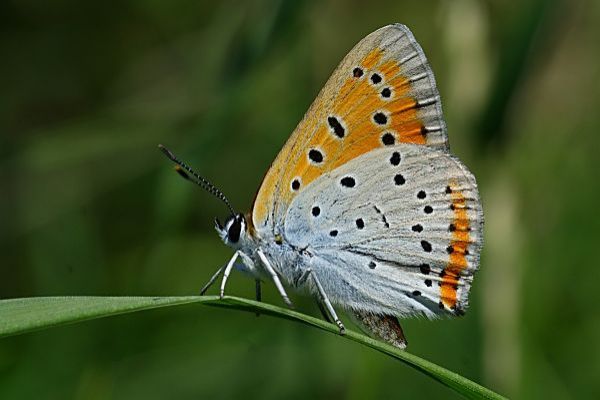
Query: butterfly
[{"x": 364, "y": 208}]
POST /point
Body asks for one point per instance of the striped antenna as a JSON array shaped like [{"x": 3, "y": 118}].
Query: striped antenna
[{"x": 184, "y": 170}]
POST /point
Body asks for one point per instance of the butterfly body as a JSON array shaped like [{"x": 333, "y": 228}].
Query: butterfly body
[{"x": 364, "y": 207}]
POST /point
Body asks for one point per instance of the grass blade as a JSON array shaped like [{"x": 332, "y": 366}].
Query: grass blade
[{"x": 23, "y": 315}]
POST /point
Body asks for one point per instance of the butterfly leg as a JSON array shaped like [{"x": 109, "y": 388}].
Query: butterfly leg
[
  {"x": 323, "y": 311},
  {"x": 258, "y": 293},
  {"x": 211, "y": 280},
  {"x": 226, "y": 273},
  {"x": 324, "y": 301},
  {"x": 258, "y": 290},
  {"x": 239, "y": 266},
  {"x": 275, "y": 278}
]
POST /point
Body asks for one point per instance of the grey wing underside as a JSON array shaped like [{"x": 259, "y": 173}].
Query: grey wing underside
[{"x": 381, "y": 243}]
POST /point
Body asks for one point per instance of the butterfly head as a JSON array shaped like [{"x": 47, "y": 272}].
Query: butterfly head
[{"x": 233, "y": 232}]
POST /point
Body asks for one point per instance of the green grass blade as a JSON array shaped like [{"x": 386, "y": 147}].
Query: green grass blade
[{"x": 18, "y": 316}]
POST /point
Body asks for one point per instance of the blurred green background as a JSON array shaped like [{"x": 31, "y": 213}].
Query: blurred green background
[{"x": 88, "y": 206}]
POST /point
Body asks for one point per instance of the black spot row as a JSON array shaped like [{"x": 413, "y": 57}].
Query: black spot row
[
  {"x": 376, "y": 78},
  {"x": 421, "y": 195},
  {"x": 348, "y": 182},
  {"x": 316, "y": 211},
  {"x": 395, "y": 158},
  {"x": 357, "y": 72},
  {"x": 315, "y": 156},
  {"x": 337, "y": 127},
  {"x": 426, "y": 246},
  {"x": 372, "y": 265},
  {"x": 428, "y": 209},
  {"x": 386, "y": 93},
  {"x": 451, "y": 249},
  {"x": 417, "y": 228},
  {"x": 360, "y": 223},
  {"x": 295, "y": 184},
  {"x": 380, "y": 118},
  {"x": 399, "y": 179},
  {"x": 388, "y": 139}
]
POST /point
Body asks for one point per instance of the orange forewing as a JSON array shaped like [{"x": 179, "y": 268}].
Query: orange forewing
[{"x": 353, "y": 99}]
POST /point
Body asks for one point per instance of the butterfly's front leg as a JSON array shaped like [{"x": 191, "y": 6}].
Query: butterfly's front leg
[
  {"x": 240, "y": 267},
  {"x": 275, "y": 277},
  {"x": 324, "y": 299},
  {"x": 227, "y": 271},
  {"x": 227, "y": 267},
  {"x": 212, "y": 280}
]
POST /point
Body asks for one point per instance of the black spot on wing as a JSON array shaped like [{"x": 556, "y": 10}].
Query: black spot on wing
[
  {"x": 360, "y": 224},
  {"x": 380, "y": 118},
  {"x": 388, "y": 139},
  {"x": 316, "y": 156},
  {"x": 426, "y": 246},
  {"x": 336, "y": 127},
  {"x": 348, "y": 182},
  {"x": 295, "y": 184}
]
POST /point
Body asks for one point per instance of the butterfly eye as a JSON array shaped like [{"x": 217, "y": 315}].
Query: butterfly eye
[{"x": 234, "y": 228}]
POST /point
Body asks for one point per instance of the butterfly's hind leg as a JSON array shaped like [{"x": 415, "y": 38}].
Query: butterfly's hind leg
[
  {"x": 324, "y": 301},
  {"x": 323, "y": 311},
  {"x": 275, "y": 278},
  {"x": 258, "y": 292}
]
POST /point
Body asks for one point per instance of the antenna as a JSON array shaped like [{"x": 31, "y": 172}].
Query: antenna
[{"x": 181, "y": 169}]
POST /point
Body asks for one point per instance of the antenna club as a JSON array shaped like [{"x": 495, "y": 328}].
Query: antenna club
[
  {"x": 167, "y": 153},
  {"x": 181, "y": 169}
]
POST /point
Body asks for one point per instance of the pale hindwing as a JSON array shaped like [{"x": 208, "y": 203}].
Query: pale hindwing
[
  {"x": 395, "y": 231},
  {"x": 382, "y": 93}
]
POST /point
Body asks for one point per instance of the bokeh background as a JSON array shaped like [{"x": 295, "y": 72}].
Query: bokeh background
[{"x": 88, "y": 206}]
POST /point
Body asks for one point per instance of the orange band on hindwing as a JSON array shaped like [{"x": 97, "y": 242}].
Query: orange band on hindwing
[{"x": 458, "y": 248}]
